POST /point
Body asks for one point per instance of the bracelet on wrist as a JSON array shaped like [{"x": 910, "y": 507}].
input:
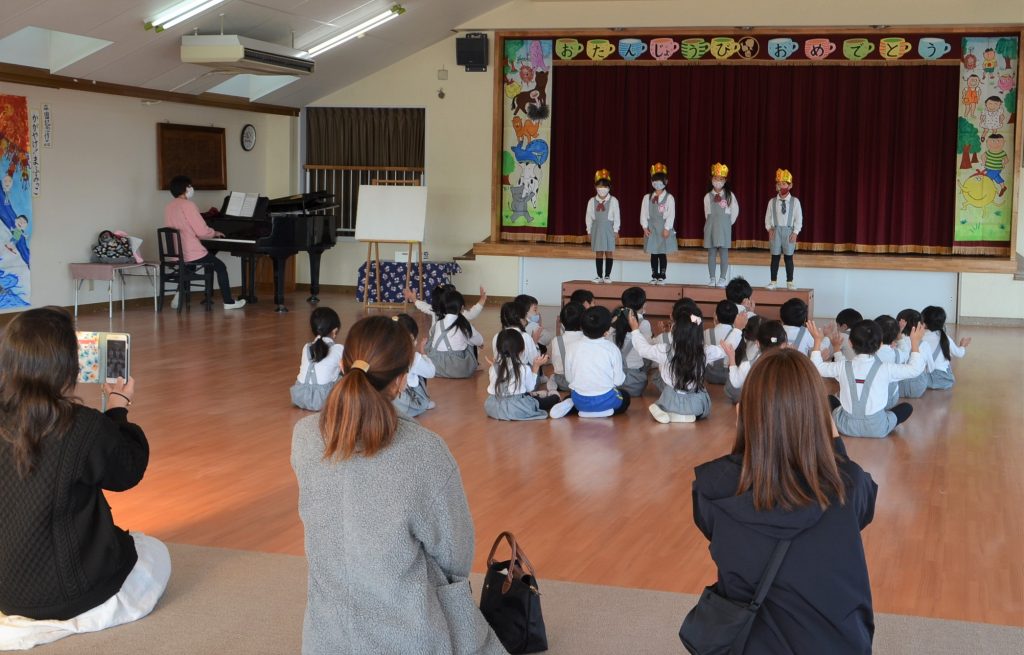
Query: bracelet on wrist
[{"x": 118, "y": 393}]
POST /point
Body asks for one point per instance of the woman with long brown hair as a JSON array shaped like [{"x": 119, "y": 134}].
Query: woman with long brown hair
[
  {"x": 64, "y": 566},
  {"x": 389, "y": 538},
  {"x": 787, "y": 478}
]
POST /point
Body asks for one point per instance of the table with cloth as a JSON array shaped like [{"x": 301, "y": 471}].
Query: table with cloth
[{"x": 393, "y": 279}]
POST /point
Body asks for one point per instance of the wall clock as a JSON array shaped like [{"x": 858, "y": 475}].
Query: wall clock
[{"x": 248, "y": 137}]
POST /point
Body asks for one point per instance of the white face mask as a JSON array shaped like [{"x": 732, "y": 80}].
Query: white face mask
[
  {"x": 658, "y": 185},
  {"x": 189, "y": 192},
  {"x": 718, "y": 186},
  {"x": 602, "y": 192}
]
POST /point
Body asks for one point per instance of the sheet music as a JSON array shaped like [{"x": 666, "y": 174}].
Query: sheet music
[
  {"x": 249, "y": 205},
  {"x": 235, "y": 201}
]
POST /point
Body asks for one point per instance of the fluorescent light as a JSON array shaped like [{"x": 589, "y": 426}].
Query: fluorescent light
[
  {"x": 180, "y": 12},
  {"x": 356, "y": 31}
]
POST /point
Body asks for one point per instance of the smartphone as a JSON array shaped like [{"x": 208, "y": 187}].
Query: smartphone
[{"x": 118, "y": 356}]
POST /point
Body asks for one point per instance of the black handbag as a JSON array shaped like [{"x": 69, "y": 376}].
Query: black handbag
[
  {"x": 720, "y": 626},
  {"x": 510, "y": 600}
]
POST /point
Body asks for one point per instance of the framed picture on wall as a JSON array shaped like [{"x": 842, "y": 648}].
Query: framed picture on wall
[{"x": 195, "y": 151}]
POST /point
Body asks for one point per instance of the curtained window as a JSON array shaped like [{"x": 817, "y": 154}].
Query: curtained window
[
  {"x": 870, "y": 148},
  {"x": 365, "y": 136}
]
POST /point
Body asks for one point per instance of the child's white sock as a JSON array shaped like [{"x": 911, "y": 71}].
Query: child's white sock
[
  {"x": 601, "y": 414},
  {"x": 681, "y": 418}
]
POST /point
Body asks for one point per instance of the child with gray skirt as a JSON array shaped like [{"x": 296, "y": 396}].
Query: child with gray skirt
[
  {"x": 320, "y": 366},
  {"x": 414, "y": 399},
  {"x": 603, "y": 225},
  {"x": 657, "y": 218},
  {"x": 511, "y": 380},
  {"x": 721, "y": 209},
  {"x": 453, "y": 341}
]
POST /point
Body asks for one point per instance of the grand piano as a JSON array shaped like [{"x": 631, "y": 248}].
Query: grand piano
[{"x": 278, "y": 228}]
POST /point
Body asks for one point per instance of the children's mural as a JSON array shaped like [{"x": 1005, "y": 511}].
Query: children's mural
[
  {"x": 526, "y": 133},
  {"x": 15, "y": 202},
  {"x": 985, "y": 141}
]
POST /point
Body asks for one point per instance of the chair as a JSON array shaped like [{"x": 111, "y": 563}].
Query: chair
[{"x": 184, "y": 276}]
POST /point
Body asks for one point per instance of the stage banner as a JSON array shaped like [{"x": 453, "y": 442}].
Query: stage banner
[
  {"x": 986, "y": 135},
  {"x": 15, "y": 201},
  {"x": 526, "y": 135}
]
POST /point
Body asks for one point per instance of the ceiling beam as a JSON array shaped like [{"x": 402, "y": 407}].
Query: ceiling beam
[{"x": 41, "y": 77}]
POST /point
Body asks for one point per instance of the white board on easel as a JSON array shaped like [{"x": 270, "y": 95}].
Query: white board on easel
[{"x": 391, "y": 213}]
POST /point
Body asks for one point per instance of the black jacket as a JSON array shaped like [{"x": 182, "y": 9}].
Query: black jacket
[
  {"x": 60, "y": 552},
  {"x": 820, "y": 601}
]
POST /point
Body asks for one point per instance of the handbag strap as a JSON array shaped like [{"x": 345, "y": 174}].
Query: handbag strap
[
  {"x": 517, "y": 556},
  {"x": 769, "y": 574}
]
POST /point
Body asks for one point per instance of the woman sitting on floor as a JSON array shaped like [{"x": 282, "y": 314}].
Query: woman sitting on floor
[
  {"x": 389, "y": 538},
  {"x": 65, "y": 567}
]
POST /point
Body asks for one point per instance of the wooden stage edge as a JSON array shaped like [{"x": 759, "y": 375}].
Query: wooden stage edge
[{"x": 937, "y": 263}]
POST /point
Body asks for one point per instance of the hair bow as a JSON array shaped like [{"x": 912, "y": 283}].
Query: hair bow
[
  {"x": 696, "y": 320},
  {"x": 775, "y": 339}
]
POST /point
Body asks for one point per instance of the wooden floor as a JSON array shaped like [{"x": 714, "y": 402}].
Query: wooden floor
[{"x": 602, "y": 502}]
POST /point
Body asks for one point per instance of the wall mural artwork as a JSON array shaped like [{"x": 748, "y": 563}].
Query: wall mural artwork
[
  {"x": 526, "y": 135},
  {"x": 15, "y": 202},
  {"x": 986, "y": 134}
]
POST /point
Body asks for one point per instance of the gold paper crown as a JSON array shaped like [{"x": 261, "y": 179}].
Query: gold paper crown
[
  {"x": 719, "y": 170},
  {"x": 602, "y": 174},
  {"x": 659, "y": 168},
  {"x": 782, "y": 175}
]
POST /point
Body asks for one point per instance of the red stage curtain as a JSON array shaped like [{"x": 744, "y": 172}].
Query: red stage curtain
[{"x": 870, "y": 147}]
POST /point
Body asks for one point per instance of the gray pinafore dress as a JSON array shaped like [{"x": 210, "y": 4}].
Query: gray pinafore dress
[
  {"x": 449, "y": 363},
  {"x": 858, "y": 423},
  {"x": 636, "y": 378},
  {"x": 520, "y": 407},
  {"x": 894, "y": 387},
  {"x": 939, "y": 379},
  {"x": 697, "y": 403},
  {"x": 717, "y": 372},
  {"x": 602, "y": 232},
  {"x": 734, "y": 393},
  {"x": 657, "y": 244},
  {"x": 780, "y": 243},
  {"x": 718, "y": 225},
  {"x": 413, "y": 401},
  {"x": 659, "y": 384},
  {"x": 560, "y": 380},
  {"x": 311, "y": 395}
]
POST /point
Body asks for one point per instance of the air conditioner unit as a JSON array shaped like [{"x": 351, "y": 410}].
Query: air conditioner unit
[{"x": 239, "y": 54}]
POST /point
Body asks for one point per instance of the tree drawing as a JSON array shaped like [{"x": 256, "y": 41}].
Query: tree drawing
[
  {"x": 968, "y": 141},
  {"x": 508, "y": 166},
  {"x": 1007, "y": 48},
  {"x": 1010, "y": 102}
]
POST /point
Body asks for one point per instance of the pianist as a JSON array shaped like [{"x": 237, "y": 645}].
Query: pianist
[{"x": 183, "y": 215}]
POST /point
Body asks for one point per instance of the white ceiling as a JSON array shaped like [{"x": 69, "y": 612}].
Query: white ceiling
[{"x": 138, "y": 57}]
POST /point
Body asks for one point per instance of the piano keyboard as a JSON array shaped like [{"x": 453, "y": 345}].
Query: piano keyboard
[{"x": 223, "y": 240}]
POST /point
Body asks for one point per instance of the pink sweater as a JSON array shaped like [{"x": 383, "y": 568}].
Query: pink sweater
[{"x": 183, "y": 215}]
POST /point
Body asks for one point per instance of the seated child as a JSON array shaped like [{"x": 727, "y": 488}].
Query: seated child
[
  {"x": 739, "y": 292},
  {"x": 512, "y": 318},
  {"x": 769, "y": 334},
  {"x": 435, "y": 308},
  {"x": 906, "y": 320},
  {"x": 453, "y": 340},
  {"x": 511, "y": 380},
  {"x": 940, "y": 373},
  {"x": 890, "y": 328},
  {"x": 414, "y": 400},
  {"x": 864, "y": 381},
  {"x": 533, "y": 320},
  {"x": 717, "y": 372},
  {"x": 794, "y": 317},
  {"x": 584, "y": 297},
  {"x": 683, "y": 396},
  {"x": 593, "y": 366},
  {"x": 320, "y": 365},
  {"x": 570, "y": 318},
  {"x": 633, "y": 365},
  {"x": 845, "y": 320}
]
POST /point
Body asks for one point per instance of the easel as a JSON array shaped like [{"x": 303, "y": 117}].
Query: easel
[{"x": 373, "y": 255}]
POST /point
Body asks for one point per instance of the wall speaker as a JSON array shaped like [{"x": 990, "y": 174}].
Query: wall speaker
[{"x": 471, "y": 52}]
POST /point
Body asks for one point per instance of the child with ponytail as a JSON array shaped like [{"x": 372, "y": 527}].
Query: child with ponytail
[
  {"x": 319, "y": 368},
  {"x": 512, "y": 378},
  {"x": 415, "y": 400},
  {"x": 453, "y": 341},
  {"x": 940, "y": 371}
]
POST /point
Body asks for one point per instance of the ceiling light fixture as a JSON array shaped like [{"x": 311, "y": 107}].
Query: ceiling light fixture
[
  {"x": 356, "y": 31},
  {"x": 180, "y": 12}
]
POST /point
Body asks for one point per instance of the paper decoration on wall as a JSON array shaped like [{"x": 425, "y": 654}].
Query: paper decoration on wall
[
  {"x": 526, "y": 130},
  {"x": 989, "y": 68},
  {"x": 15, "y": 202}
]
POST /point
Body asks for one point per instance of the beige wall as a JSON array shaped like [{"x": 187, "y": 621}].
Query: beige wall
[
  {"x": 102, "y": 173},
  {"x": 458, "y": 131}
]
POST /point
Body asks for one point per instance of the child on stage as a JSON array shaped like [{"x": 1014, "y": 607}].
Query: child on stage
[
  {"x": 721, "y": 210},
  {"x": 603, "y": 224},
  {"x": 783, "y": 220},
  {"x": 657, "y": 216}
]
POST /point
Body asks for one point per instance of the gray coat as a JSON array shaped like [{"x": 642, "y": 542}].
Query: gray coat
[{"x": 389, "y": 543}]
